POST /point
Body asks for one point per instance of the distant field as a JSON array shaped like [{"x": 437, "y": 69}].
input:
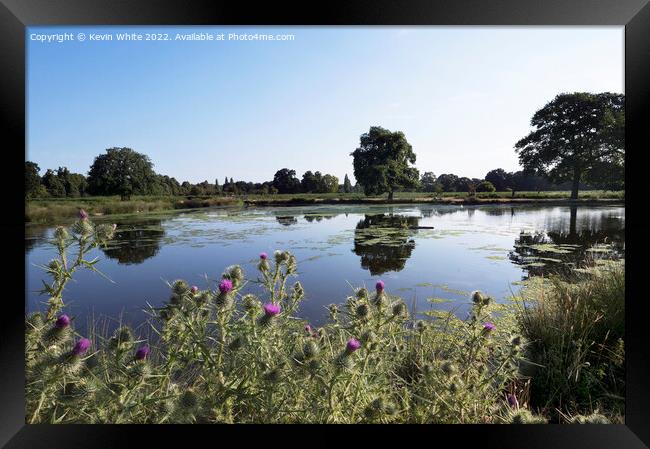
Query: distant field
[{"x": 47, "y": 210}]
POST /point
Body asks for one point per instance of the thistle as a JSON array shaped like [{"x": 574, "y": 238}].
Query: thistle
[
  {"x": 270, "y": 312},
  {"x": 142, "y": 352},
  {"x": 310, "y": 349},
  {"x": 362, "y": 311}
]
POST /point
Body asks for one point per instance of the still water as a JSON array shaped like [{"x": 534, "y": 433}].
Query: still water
[{"x": 419, "y": 251}]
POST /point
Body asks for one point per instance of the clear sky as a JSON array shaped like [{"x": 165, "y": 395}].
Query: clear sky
[{"x": 208, "y": 109}]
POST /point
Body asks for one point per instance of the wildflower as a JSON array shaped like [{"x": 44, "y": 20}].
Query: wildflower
[
  {"x": 353, "y": 345},
  {"x": 379, "y": 286},
  {"x": 81, "y": 347},
  {"x": 512, "y": 401},
  {"x": 83, "y": 214},
  {"x": 271, "y": 309},
  {"x": 488, "y": 327},
  {"x": 62, "y": 321},
  {"x": 142, "y": 353},
  {"x": 194, "y": 289},
  {"x": 264, "y": 256},
  {"x": 308, "y": 328},
  {"x": 225, "y": 286}
]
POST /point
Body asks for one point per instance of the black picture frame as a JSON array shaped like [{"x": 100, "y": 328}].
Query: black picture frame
[{"x": 15, "y": 15}]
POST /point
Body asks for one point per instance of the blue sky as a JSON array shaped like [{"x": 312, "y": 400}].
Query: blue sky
[{"x": 243, "y": 109}]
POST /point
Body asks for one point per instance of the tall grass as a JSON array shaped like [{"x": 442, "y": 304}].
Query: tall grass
[{"x": 575, "y": 328}]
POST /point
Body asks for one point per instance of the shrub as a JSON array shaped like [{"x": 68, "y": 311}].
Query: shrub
[{"x": 226, "y": 357}]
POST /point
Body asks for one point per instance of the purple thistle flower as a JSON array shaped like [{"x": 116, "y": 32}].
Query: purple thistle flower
[
  {"x": 225, "y": 286},
  {"x": 81, "y": 347},
  {"x": 271, "y": 309},
  {"x": 489, "y": 327},
  {"x": 353, "y": 345},
  {"x": 512, "y": 401},
  {"x": 83, "y": 214},
  {"x": 142, "y": 352},
  {"x": 380, "y": 286},
  {"x": 194, "y": 289},
  {"x": 264, "y": 256},
  {"x": 308, "y": 328},
  {"x": 62, "y": 321}
]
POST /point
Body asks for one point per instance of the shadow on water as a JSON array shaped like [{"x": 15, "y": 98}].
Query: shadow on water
[
  {"x": 385, "y": 242},
  {"x": 135, "y": 243},
  {"x": 561, "y": 250}
]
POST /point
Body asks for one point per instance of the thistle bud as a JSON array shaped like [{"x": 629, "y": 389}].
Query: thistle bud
[
  {"x": 362, "y": 310},
  {"x": 225, "y": 286},
  {"x": 83, "y": 215},
  {"x": 236, "y": 343},
  {"x": 142, "y": 353},
  {"x": 81, "y": 347},
  {"x": 362, "y": 293},
  {"x": 180, "y": 287},
  {"x": 62, "y": 321},
  {"x": 399, "y": 309},
  {"x": 379, "y": 286},
  {"x": 477, "y": 297},
  {"x": 61, "y": 233},
  {"x": 310, "y": 349},
  {"x": 188, "y": 401},
  {"x": 194, "y": 290},
  {"x": 352, "y": 345}
]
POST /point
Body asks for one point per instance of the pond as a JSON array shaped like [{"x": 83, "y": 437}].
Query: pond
[{"x": 433, "y": 256}]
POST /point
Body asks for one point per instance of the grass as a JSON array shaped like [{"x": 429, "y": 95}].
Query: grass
[
  {"x": 49, "y": 210},
  {"x": 55, "y": 209},
  {"x": 576, "y": 332}
]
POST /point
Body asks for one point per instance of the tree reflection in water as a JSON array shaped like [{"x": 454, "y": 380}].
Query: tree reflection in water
[
  {"x": 135, "y": 243},
  {"x": 384, "y": 242},
  {"x": 560, "y": 250},
  {"x": 287, "y": 220}
]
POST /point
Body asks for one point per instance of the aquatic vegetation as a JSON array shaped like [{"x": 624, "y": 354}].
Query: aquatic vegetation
[{"x": 221, "y": 356}]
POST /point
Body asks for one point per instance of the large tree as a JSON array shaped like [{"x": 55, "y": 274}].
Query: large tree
[
  {"x": 428, "y": 182},
  {"x": 499, "y": 178},
  {"x": 381, "y": 162},
  {"x": 575, "y": 134},
  {"x": 121, "y": 171},
  {"x": 33, "y": 187},
  {"x": 285, "y": 181}
]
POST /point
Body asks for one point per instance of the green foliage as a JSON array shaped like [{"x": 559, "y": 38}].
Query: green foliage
[
  {"x": 381, "y": 162},
  {"x": 33, "y": 187},
  {"x": 122, "y": 171},
  {"x": 347, "y": 185},
  {"x": 485, "y": 186},
  {"x": 223, "y": 357},
  {"x": 576, "y": 332},
  {"x": 285, "y": 181},
  {"x": 576, "y": 137},
  {"x": 428, "y": 182}
]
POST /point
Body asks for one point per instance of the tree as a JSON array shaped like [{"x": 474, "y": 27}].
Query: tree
[
  {"x": 428, "y": 182},
  {"x": 465, "y": 185},
  {"x": 121, "y": 171},
  {"x": 285, "y": 181},
  {"x": 381, "y": 162},
  {"x": 485, "y": 186},
  {"x": 574, "y": 134},
  {"x": 329, "y": 184},
  {"x": 33, "y": 187},
  {"x": 499, "y": 178},
  {"x": 448, "y": 182},
  {"x": 216, "y": 185},
  {"x": 310, "y": 181},
  {"x": 54, "y": 185},
  {"x": 347, "y": 185}
]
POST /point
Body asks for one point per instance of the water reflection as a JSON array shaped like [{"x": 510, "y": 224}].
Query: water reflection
[
  {"x": 286, "y": 220},
  {"x": 384, "y": 242},
  {"x": 135, "y": 243},
  {"x": 561, "y": 249}
]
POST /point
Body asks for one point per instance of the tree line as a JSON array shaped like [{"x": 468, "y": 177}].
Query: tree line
[{"x": 577, "y": 143}]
